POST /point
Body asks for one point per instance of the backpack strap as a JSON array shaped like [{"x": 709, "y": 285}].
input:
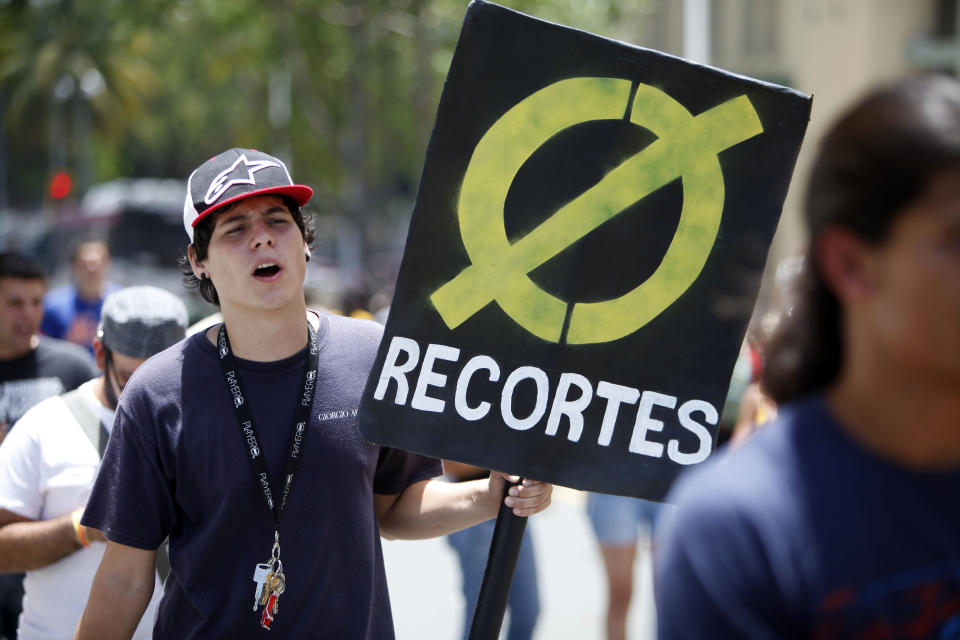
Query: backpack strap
[{"x": 88, "y": 420}]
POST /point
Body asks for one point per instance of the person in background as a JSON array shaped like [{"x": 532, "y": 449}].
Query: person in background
[
  {"x": 746, "y": 372},
  {"x": 755, "y": 408},
  {"x": 841, "y": 519},
  {"x": 472, "y": 546},
  {"x": 48, "y": 464},
  {"x": 72, "y": 311},
  {"x": 210, "y": 434},
  {"x": 32, "y": 368},
  {"x": 616, "y": 523}
]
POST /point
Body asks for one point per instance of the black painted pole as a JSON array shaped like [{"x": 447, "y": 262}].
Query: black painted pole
[{"x": 498, "y": 574}]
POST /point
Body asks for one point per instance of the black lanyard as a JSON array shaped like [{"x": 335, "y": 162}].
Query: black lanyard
[{"x": 231, "y": 375}]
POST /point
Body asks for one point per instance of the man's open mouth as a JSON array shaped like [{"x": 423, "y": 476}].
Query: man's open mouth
[{"x": 266, "y": 270}]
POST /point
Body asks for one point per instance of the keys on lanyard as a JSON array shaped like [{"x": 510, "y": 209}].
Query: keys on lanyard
[
  {"x": 269, "y": 576},
  {"x": 271, "y": 583},
  {"x": 260, "y": 577}
]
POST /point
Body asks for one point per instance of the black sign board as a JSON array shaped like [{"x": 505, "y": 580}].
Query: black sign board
[{"x": 583, "y": 257}]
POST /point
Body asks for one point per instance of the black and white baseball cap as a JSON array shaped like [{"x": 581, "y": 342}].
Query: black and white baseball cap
[
  {"x": 233, "y": 175},
  {"x": 141, "y": 321}
]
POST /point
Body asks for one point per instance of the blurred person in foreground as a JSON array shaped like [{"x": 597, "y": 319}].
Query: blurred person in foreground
[
  {"x": 210, "y": 434},
  {"x": 48, "y": 464},
  {"x": 72, "y": 311},
  {"x": 32, "y": 368},
  {"x": 841, "y": 519}
]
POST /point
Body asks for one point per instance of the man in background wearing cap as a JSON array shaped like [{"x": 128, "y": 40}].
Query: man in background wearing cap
[
  {"x": 212, "y": 433},
  {"x": 48, "y": 464}
]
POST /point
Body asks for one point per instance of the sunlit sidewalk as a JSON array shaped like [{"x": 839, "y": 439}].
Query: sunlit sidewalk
[{"x": 424, "y": 581}]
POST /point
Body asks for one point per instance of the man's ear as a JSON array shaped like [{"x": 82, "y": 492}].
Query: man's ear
[
  {"x": 100, "y": 354},
  {"x": 196, "y": 265},
  {"x": 845, "y": 263}
]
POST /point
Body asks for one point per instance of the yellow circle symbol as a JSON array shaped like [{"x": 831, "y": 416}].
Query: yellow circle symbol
[{"x": 686, "y": 147}]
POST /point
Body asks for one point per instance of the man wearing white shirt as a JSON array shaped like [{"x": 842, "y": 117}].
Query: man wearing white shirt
[{"x": 49, "y": 462}]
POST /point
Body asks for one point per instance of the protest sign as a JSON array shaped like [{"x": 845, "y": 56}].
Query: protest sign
[{"x": 583, "y": 257}]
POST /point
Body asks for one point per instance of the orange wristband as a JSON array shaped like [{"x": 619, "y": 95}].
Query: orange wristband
[{"x": 78, "y": 529}]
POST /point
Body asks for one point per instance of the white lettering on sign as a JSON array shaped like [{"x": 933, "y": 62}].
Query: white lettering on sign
[
  {"x": 615, "y": 395},
  {"x": 573, "y": 409},
  {"x": 687, "y": 422},
  {"x": 474, "y": 365},
  {"x": 429, "y": 378},
  {"x": 539, "y": 378},
  {"x": 573, "y": 395},
  {"x": 646, "y": 423},
  {"x": 398, "y": 372}
]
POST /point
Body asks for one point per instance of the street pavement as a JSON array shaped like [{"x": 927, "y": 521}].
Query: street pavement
[{"x": 424, "y": 581}]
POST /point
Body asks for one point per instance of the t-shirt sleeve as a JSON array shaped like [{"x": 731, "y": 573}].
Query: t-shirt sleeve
[
  {"x": 712, "y": 576},
  {"x": 398, "y": 469},
  {"x": 132, "y": 501},
  {"x": 20, "y": 461}
]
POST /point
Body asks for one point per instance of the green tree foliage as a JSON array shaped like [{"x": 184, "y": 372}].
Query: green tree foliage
[
  {"x": 64, "y": 67},
  {"x": 345, "y": 90}
]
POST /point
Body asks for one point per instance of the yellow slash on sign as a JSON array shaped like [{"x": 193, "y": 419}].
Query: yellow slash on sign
[{"x": 686, "y": 147}]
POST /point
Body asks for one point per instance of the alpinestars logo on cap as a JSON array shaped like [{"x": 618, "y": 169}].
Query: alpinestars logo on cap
[{"x": 220, "y": 184}]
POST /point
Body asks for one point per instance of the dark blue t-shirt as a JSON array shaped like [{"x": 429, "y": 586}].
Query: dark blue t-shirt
[
  {"x": 802, "y": 533},
  {"x": 177, "y": 465}
]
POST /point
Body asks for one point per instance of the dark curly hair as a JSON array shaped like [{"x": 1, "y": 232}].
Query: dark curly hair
[
  {"x": 201, "y": 242},
  {"x": 877, "y": 158}
]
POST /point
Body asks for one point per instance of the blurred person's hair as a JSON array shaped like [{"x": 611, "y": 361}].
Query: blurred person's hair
[
  {"x": 17, "y": 265},
  {"x": 203, "y": 231},
  {"x": 876, "y": 159}
]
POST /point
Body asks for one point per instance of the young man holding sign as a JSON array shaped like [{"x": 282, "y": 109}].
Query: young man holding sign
[{"x": 274, "y": 384}]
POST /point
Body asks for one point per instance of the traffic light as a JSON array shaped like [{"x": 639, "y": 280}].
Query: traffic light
[{"x": 61, "y": 185}]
